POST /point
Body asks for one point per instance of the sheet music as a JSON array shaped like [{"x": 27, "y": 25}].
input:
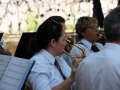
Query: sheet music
[
  {"x": 3, "y": 63},
  {"x": 13, "y": 74}
]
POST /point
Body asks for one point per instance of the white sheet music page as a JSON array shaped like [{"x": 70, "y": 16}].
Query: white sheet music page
[
  {"x": 14, "y": 74},
  {"x": 4, "y": 59}
]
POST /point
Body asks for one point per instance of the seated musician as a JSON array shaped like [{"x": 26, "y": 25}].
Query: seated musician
[
  {"x": 88, "y": 33},
  {"x": 51, "y": 72},
  {"x": 60, "y": 20},
  {"x": 3, "y": 49},
  {"x": 101, "y": 70}
]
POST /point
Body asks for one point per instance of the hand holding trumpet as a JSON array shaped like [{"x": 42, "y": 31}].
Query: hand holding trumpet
[{"x": 75, "y": 64}]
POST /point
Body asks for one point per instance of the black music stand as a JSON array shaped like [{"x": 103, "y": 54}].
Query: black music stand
[{"x": 22, "y": 48}]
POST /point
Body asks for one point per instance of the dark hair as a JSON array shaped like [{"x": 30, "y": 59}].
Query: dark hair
[
  {"x": 47, "y": 30},
  {"x": 82, "y": 23},
  {"x": 58, "y": 19},
  {"x": 112, "y": 25}
]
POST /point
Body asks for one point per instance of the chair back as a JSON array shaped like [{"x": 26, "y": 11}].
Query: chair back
[{"x": 27, "y": 86}]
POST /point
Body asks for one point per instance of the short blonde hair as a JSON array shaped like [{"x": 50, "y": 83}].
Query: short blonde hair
[{"x": 82, "y": 23}]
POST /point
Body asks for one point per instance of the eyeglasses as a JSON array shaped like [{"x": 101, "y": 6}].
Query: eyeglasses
[{"x": 93, "y": 27}]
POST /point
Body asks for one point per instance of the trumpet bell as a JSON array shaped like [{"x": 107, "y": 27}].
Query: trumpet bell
[
  {"x": 72, "y": 57},
  {"x": 81, "y": 48}
]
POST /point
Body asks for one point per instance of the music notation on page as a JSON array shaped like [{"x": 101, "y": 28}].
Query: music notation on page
[{"x": 13, "y": 72}]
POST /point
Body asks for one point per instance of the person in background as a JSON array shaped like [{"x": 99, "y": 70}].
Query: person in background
[
  {"x": 3, "y": 49},
  {"x": 60, "y": 20},
  {"x": 88, "y": 33},
  {"x": 101, "y": 70},
  {"x": 50, "y": 72}
]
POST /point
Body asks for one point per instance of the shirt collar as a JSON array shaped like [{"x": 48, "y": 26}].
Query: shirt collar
[
  {"x": 112, "y": 46},
  {"x": 48, "y": 56},
  {"x": 86, "y": 43}
]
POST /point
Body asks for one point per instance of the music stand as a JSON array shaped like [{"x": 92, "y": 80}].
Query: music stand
[{"x": 22, "y": 48}]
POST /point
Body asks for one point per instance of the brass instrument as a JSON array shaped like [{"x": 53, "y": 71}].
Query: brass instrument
[
  {"x": 72, "y": 57},
  {"x": 81, "y": 48}
]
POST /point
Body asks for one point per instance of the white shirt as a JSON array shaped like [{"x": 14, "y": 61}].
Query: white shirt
[
  {"x": 86, "y": 45},
  {"x": 100, "y": 70},
  {"x": 44, "y": 75}
]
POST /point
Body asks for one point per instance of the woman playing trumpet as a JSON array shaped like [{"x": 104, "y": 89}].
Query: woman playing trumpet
[
  {"x": 88, "y": 33},
  {"x": 61, "y": 20},
  {"x": 50, "y": 72}
]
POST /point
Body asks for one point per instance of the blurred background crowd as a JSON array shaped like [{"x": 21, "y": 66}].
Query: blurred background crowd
[{"x": 19, "y": 16}]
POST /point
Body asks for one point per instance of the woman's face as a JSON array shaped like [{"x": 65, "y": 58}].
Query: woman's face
[
  {"x": 63, "y": 25},
  {"x": 91, "y": 33},
  {"x": 61, "y": 43}
]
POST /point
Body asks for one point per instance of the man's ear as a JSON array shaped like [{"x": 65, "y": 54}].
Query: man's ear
[{"x": 83, "y": 33}]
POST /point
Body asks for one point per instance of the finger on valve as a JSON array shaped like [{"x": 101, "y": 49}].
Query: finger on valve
[{"x": 78, "y": 59}]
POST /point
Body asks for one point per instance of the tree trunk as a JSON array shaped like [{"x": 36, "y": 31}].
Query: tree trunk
[
  {"x": 97, "y": 12},
  {"x": 118, "y": 2}
]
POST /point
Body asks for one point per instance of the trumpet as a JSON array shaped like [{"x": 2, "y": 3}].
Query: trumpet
[
  {"x": 72, "y": 57},
  {"x": 81, "y": 48}
]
